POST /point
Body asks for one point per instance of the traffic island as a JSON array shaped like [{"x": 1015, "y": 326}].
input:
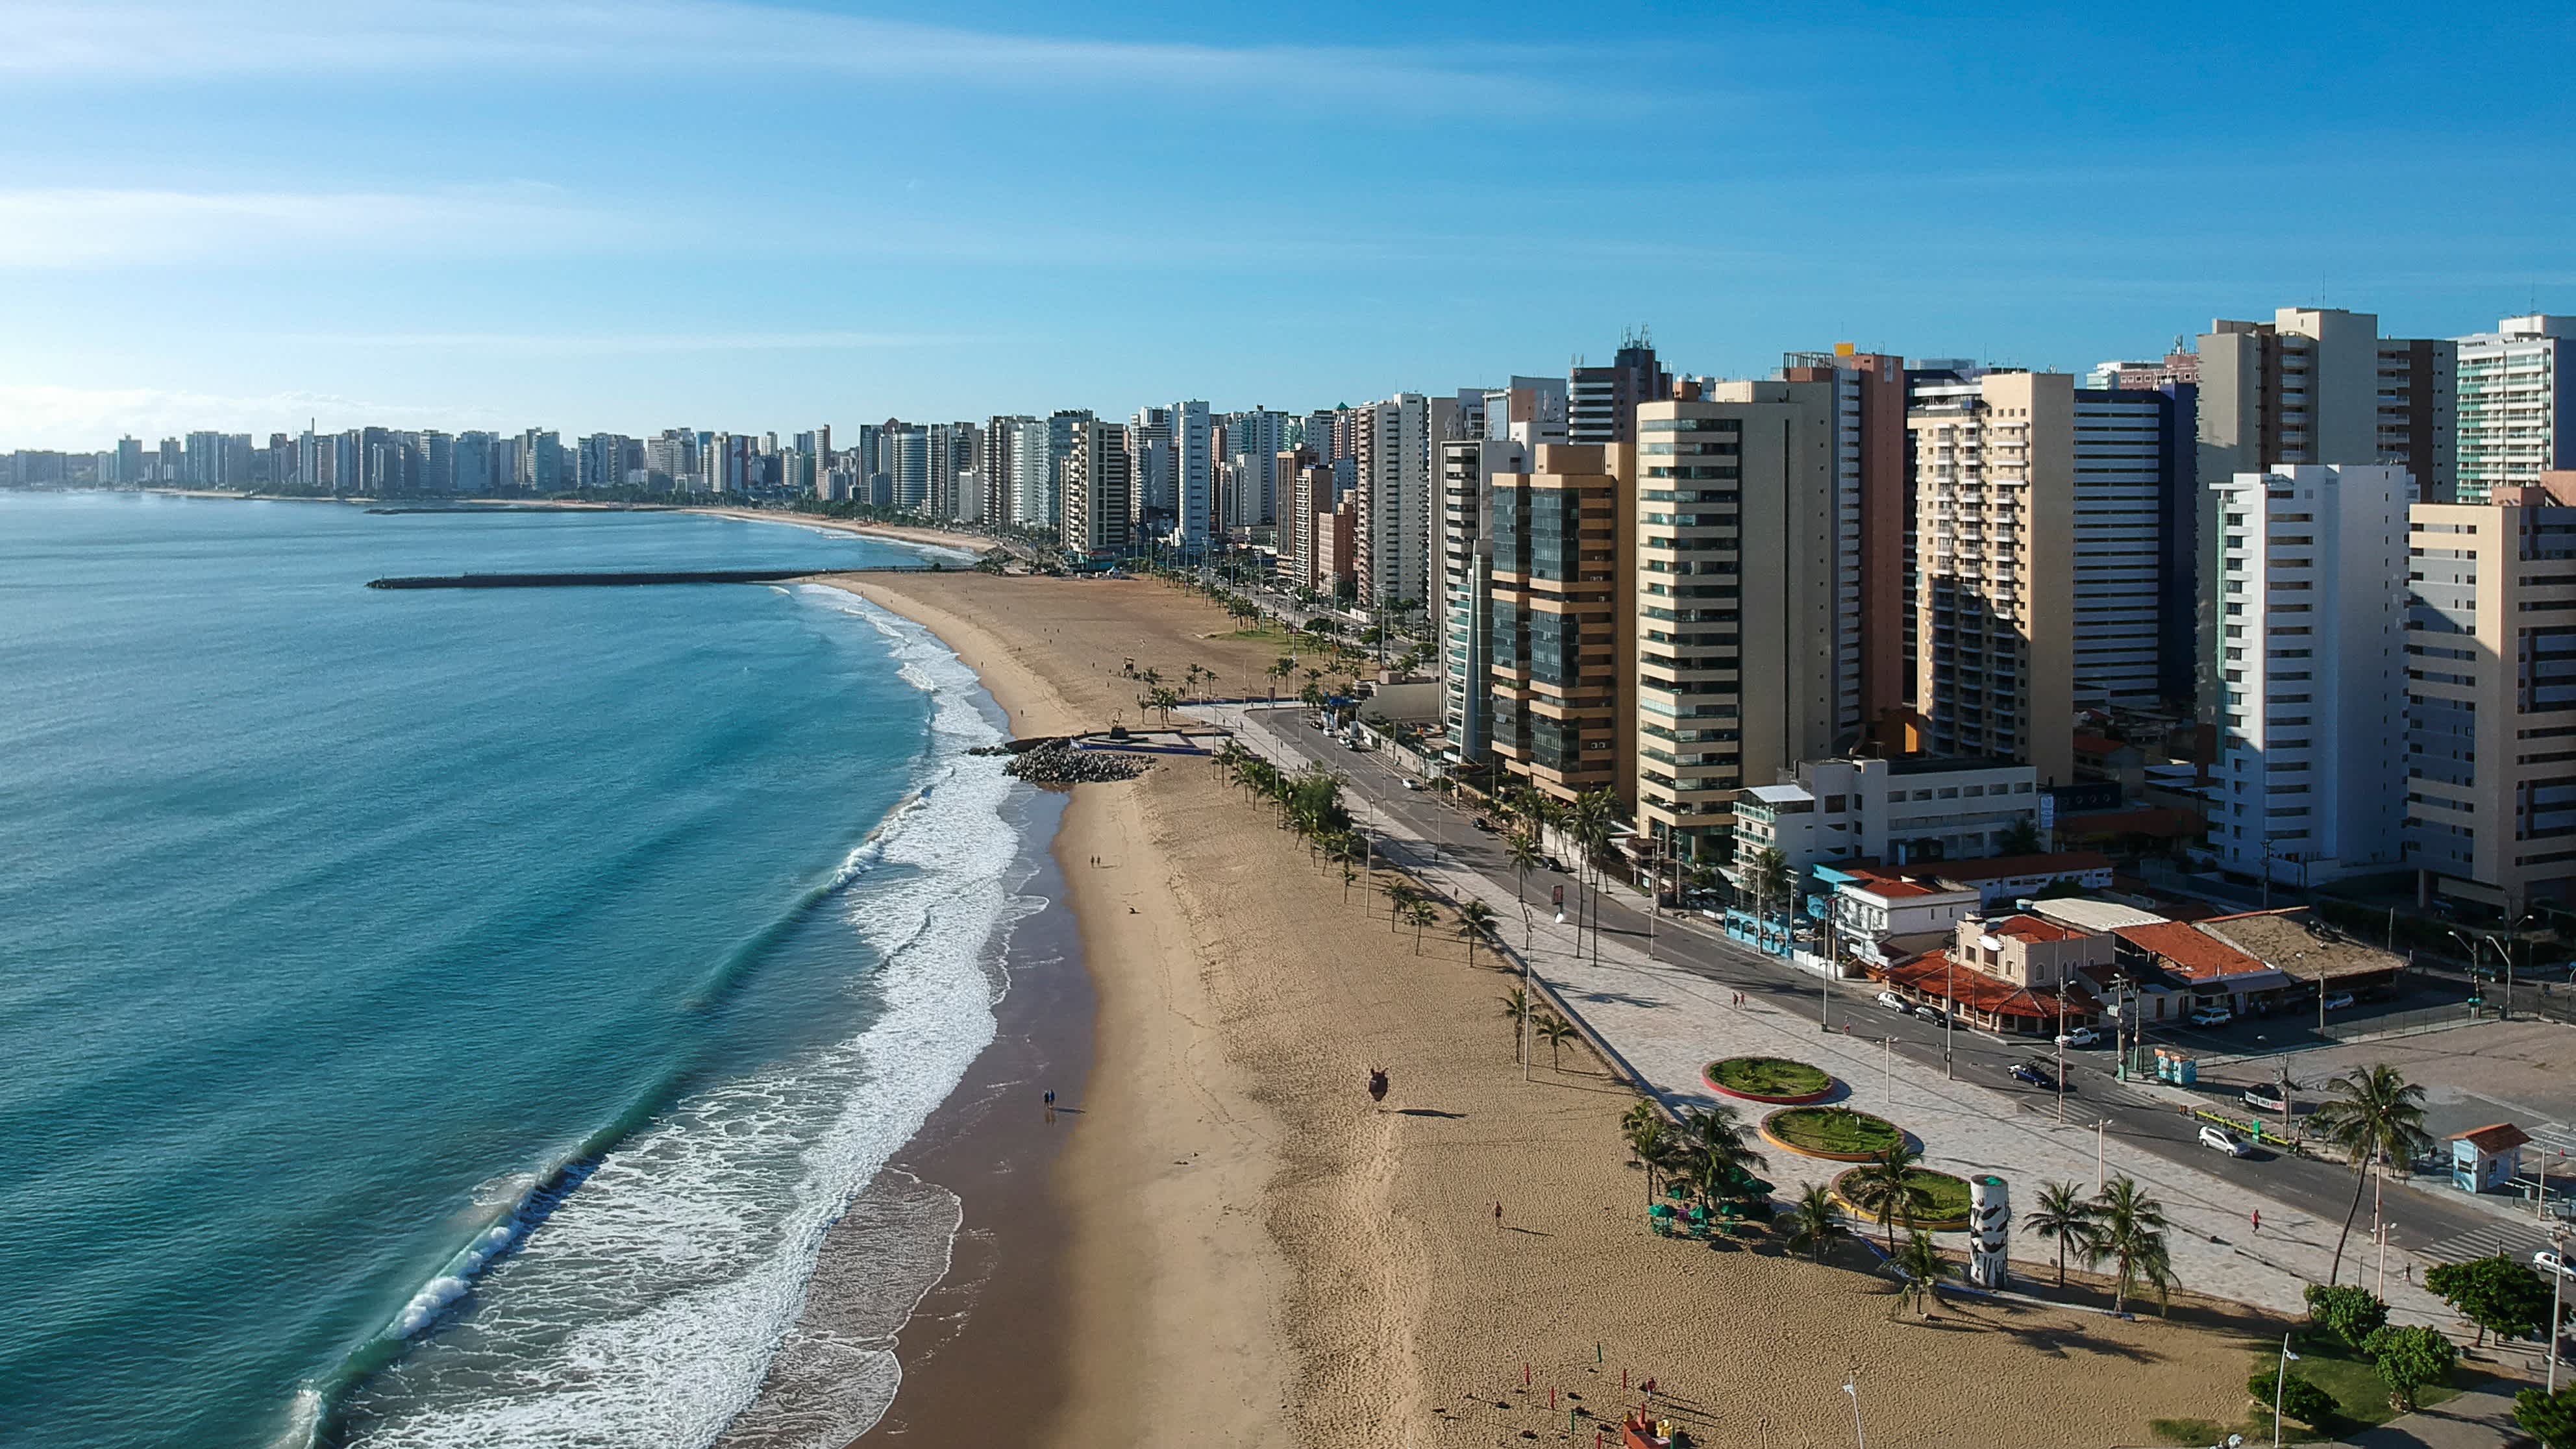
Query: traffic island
[
  {"x": 1940, "y": 1201},
  {"x": 1776, "y": 1080},
  {"x": 1836, "y": 1134}
]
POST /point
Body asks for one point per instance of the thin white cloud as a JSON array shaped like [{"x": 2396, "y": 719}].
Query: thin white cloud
[
  {"x": 75, "y": 227},
  {"x": 109, "y": 41},
  {"x": 81, "y": 418},
  {"x": 542, "y": 344}
]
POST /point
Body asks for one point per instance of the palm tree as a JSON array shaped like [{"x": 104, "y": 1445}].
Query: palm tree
[
  {"x": 2372, "y": 1114},
  {"x": 1884, "y": 1188},
  {"x": 1924, "y": 1268},
  {"x": 1421, "y": 913},
  {"x": 1556, "y": 1031},
  {"x": 1400, "y": 896},
  {"x": 1816, "y": 1221},
  {"x": 1652, "y": 1142},
  {"x": 2068, "y": 1218},
  {"x": 1280, "y": 668},
  {"x": 2130, "y": 1231},
  {"x": 1766, "y": 876},
  {"x": 1516, "y": 1008},
  {"x": 1522, "y": 852},
  {"x": 1475, "y": 922}
]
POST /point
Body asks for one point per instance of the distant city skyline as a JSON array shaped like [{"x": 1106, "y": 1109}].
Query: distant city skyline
[{"x": 241, "y": 214}]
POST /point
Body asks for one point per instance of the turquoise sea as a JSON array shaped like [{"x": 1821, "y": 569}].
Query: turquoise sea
[{"x": 453, "y": 1018}]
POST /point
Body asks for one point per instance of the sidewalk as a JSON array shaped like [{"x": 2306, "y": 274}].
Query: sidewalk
[{"x": 1667, "y": 1024}]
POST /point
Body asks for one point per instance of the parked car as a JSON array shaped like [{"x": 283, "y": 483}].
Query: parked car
[
  {"x": 1411, "y": 783},
  {"x": 2225, "y": 1141},
  {"x": 1932, "y": 1014},
  {"x": 2082, "y": 1036},
  {"x": 2264, "y": 1097},
  {"x": 2212, "y": 1016},
  {"x": 2029, "y": 1075},
  {"x": 1896, "y": 1003},
  {"x": 2339, "y": 1001},
  {"x": 2549, "y": 1262},
  {"x": 1484, "y": 825}
]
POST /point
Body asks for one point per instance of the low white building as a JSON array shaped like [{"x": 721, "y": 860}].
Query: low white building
[
  {"x": 1895, "y": 811},
  {"x": 1882, "y": 916}
]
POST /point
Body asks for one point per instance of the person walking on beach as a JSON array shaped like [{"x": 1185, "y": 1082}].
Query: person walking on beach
[
  {"x": 1498, "y": 1217},
  {"x": 1050, "y": 1096},
  {"x": 2258, "y": 1220}
]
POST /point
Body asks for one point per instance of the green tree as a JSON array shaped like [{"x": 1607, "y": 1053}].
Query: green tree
[
  {"x": 2129, "y": 1230},
  {"x": 1421, "y": 913},
  {"x": 1924, "y": 1268},
  {"x": 2020, "y": 838},
  {"x": 1522, "y": 852},
  {"x": 2064, "y": 1215},
  {"x": 1516, "y": 1009},
  {"x": 1653, "y": 1144},
  {"x": 2299, "y": 1399},
  {"x": 2409, "y": 1359},
  {"x": 2549, "y": 1418},
  {"x": 1766, "y": 878},
  {"x": 1475, "y": 923},
  {"x": 1816, "y": 1222},
  {"x": 2350, "y": 1313},
  {"x": 1556, "y": 1031},
  {"x": 2372, "y": 1115},
  {"x": 1884, "y": 1188},
  {"x": 2497, "y": 1294},
  {"x": 1400, "y": 896}
]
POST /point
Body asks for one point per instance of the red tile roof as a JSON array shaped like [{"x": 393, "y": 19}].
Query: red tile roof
[
  {"x": 2493, "y": 1139},
  {"x": 2191, "y": 952},
  {"x": 2030, "y": 928},
  {"x": 1935, "y": 977}
]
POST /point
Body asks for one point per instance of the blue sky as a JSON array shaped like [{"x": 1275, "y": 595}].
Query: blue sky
[{"x": 593, "y": 214}]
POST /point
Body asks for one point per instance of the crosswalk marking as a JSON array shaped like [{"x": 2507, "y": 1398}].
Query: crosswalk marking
[{"x": 2509, "y": 1239}]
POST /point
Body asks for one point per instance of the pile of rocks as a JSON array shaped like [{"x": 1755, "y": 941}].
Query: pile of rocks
[{"x": 1059, "y": 763}]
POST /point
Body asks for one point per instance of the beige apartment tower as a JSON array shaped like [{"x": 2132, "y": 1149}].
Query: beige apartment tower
[
  {"x": 2491, "y": 696},
  {"x": 1994, "y": 481},
  {"x": 1098, "y": 490},
  {"x": 1737, "y": 582},
  {"x": 1563, "y": 670}
]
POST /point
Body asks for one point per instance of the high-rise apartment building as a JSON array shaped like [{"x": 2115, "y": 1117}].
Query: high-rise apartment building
[
  {"x": 2310, "y": 661},
  {"x": 1033, "y": 475},
  {"x": 1872, "y": 490},
  {"x": 1253, "y": 443},
  {"x": 1098, "y": 511},
  {"x": 1994, "y": 505},
  {"x": 1061, "y": 426},
  {"x": 1311, "y": 498},
  {"x": 1468, "y": 467},
  {"x": 2315, "y": 385},
  {"x": 2491, "y": 695},
  {"x": 1193, "y": 505},
  {"x": 2516, "y": 402},
  {"x": 1528, "y": 410},
  {"x": 2131, "y": 476},
  {"x": 903, "y": 451},
  {"x": 999, "y": 469},
  {"x": 1149, "y": 460},
  {"x": 1740, "y": 598},
  {"x": 1393, "y": 495},
  {"x": 1602, "y": 401},
  {"x": 1563, "y": 669}
]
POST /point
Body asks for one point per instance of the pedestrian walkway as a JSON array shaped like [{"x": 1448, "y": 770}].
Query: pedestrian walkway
[{"x": 1666, "y": 1024}]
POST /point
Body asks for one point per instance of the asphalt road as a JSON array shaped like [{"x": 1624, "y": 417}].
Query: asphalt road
[{"x": 2420, "y": 1222}]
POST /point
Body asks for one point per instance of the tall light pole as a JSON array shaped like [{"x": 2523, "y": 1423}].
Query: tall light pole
[
  {"x": 1949, "y": 1014},
  {"x": 2061, "y": 1051},
  {"x": 2557, "y": 1286},
  {"x": 2280, "y": 1382},
  {"x": 1852, "y": 1387},
  {"x": 2098, "y": 1129}
]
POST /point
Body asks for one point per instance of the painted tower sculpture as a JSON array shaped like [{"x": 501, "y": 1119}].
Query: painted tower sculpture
[{"x": 1989, "y": 1231}]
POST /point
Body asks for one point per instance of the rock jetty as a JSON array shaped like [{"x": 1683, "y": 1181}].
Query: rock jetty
[{"x": 1057, "y": 762}]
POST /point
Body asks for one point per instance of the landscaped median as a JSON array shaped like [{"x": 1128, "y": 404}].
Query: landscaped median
[
  {"x": 1940, "y": 1200},
  {"x": 1836, "y": 1134},
  {"x": 1776, "y": 1080}
]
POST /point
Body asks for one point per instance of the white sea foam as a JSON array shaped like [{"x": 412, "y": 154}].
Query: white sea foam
[{"x": 649, "y": 1306}]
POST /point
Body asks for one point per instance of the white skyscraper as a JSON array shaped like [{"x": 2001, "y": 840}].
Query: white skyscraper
[
  {"x": 1394, "y": 500},
  {"x": 1032, "y": 485},
  {"x": 2514, "y": 400},
  {"x": 2311, "y": 661},
  {"x": 1193, "y": 477}
]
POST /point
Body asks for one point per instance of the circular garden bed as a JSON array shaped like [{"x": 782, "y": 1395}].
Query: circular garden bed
[
  {"x": 1940, "y": 1200},
  {"x": 1837, "y": 1134},
  {"x": 1777, "y": 1080}
]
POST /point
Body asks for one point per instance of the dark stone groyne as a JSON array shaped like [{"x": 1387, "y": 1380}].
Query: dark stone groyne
[{"x": 626, "y": 580}]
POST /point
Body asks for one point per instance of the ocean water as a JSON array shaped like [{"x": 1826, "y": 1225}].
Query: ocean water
[{"x": 453, "y": 1018}]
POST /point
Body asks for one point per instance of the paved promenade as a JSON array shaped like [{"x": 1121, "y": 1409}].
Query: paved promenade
[{"x": 1667, "y": 1023}]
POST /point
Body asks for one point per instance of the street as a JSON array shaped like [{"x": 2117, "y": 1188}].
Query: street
[{"x": 1442, "y": 834}]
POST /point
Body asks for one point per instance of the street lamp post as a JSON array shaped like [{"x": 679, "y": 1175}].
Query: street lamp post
[
  {"x": 2557, "y": 1286},
  {"x": 2098, "y": 1128},
  {"x": 1852, "y": 1387},
  {"x": 2061, "y": 1051},
  {"x": 1949, "y": 1014},
  {"x": 2280, "y": 1382}
]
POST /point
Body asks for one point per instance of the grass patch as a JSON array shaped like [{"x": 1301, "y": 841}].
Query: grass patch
[
  {"x": 1769, "y": 1076},
  {"x": 2190, "y": 1431},
  {"x": 1833, "y": 1129},
  {"x": 2347, "y": 1373},
  {"x": 1938, "y": 1197}
]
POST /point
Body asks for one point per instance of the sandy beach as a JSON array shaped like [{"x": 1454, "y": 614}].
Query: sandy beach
[
  {"x": 1253, "y": 1253},
  {"x": 970, "y": 543}
]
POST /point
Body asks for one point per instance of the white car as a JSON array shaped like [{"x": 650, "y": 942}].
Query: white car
[
  {"x": 1896, "y": 1003},
  {"x": 2339, "y": 1001},
  {"x": 2082, "y": 1036},
  {"x": 2225, "y": 1141},
  {"x": 2549, "y": 1262},
  {"x": 1411, "y": 783},
  {"x": 2212, "y": 1016}
]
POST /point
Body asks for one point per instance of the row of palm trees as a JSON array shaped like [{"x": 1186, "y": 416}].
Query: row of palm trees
[
  {"x": 2122, "y": 1224},
  {"x": 1544, "y": 1026},
  {"x": 1705, "y": 1151}
]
